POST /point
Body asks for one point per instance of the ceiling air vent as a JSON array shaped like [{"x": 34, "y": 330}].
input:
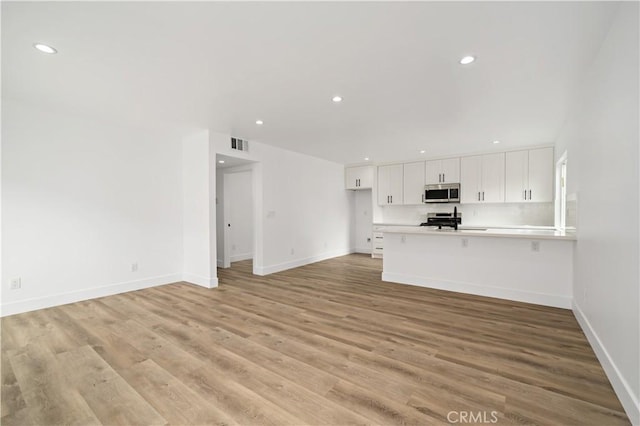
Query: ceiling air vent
[{"x": 239, "y": 144}]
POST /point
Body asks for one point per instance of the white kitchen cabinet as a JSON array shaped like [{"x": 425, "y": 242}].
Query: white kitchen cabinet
[
  {"x": 413, "y": 185},
  {"x": 443, "y": 171},
  {"x": 360, "y": 177},
  {"x": 390, "y": 184},
  {"x": 377, "y": 247},
  {"x": 482, "y": 178},
  {"x": 529, "y": 175}
]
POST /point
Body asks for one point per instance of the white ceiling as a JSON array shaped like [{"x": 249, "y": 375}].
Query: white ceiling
[{"x": 224, "y": 65}]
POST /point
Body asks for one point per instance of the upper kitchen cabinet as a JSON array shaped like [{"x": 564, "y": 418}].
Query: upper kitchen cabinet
[
  {"x": 482, "y": 178},
  {"x": 529, "y": 176},
  {"x": 360, "y": 177},
  {"x": 443, "y": 171},
  {"x": 414, "y": 180},
  {"x": 390, "y": 184}
]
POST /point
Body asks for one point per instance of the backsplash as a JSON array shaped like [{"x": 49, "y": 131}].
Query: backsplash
[{"x": 513, "y": 214}]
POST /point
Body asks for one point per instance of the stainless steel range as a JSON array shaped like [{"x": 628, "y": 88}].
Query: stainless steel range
[{"x": 451, "y": 219}]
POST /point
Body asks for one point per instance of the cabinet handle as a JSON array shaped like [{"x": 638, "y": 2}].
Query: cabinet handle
[
  {"x": 392, "y": 199},
  {"x": 529, "y": 194},
  {"x": 423, "y": 198},
  {"x": 357, "y": 182},
  {"x": 387, "y": 199},
  {"x": 482, "y": 195},
  {"x": 478, "y": 195},
  {"x": 443, "y": 178},
  {"x": 525, "y": 194}
]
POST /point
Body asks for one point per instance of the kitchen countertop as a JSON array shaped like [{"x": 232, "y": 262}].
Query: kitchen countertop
[{"x": 532, "y": 232}]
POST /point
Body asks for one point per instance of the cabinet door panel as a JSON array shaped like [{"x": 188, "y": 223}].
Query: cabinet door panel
[
  {"x": 413, "y": 185},
  {"x": 351, "y": 178},
  {"x": 451, "y": 170},
  {"x": 493, "y": 178},
  {"x": 395, "y": 183},
  {"x": 470, "y": 175},
  {"x": 383, "y": 185},
  {"x": 366, "y": 177},
  {"x": 433, "y": 172},
  {"x": 516, "y": 176},
  {"x": 541, "y": 174}
]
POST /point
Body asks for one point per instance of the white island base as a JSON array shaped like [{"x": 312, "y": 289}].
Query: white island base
[{"x": 520, "y": 268}]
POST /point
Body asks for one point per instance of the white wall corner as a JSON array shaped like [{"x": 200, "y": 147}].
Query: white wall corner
[
  {"x": 629, "y": 401},
  {"x": 200, "y": 280}
]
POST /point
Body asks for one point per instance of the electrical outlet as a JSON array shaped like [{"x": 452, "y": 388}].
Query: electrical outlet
[
  {"x": 403, "y": 239},
  {"x": 465, "y": 242},
  {"x": 16, "y": 283},
  {"x": 535, "y": 245},
  {"x": 134, "y": 267}
]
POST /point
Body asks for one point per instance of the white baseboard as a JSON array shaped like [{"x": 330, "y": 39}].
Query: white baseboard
[
  {"x": 200, "y": 280},
  {"x": 28, "y": 305},
  {"x": 266, "y": 270},
  {"x": 239, "y": 257},
  {"x": 365, "y": 250},
  {"x": 628, "y": 400},
  {"x": 481, "y": 290}
]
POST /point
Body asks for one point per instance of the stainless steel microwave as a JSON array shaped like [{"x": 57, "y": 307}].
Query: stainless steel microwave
[{"x": 442, "y": 193}]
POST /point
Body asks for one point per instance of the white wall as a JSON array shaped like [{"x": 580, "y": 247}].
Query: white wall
[
  {"x": 82, "y": 201},
  {"x": 238, "y": 202},
  {"x": 302, "y": 211},
  {"x": 601, "y": 139},
  {"x": 363, "y": 220},
  {"x": 538, "y": 214},
  {"x": 199, "y": 265}
]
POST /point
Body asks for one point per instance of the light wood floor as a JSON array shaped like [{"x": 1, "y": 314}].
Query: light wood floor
[{"x": 325, "y": 344}]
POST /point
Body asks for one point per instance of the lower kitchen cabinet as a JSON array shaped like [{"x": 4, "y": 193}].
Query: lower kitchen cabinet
[{"x": 377, "y": 245}]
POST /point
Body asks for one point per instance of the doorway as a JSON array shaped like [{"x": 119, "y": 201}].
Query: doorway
[{"x": 234, "y": 210}]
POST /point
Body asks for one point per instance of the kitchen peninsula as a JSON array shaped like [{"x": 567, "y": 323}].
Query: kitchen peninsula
[{"x": 526, "y": 265}]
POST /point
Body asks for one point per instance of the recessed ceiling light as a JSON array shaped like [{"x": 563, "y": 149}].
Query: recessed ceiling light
[
  {"x": 422, "y": 151},
  {"x": 496, "y": 142},
  {"x": 44, "y": 48},
  {"x": 337, "y": 99},
  {"x": 366, "y": 158},
  {"x": 221, "y": 161},
  {"x": 259, "y": 122},
  {"x": 467, "y": 60}
]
